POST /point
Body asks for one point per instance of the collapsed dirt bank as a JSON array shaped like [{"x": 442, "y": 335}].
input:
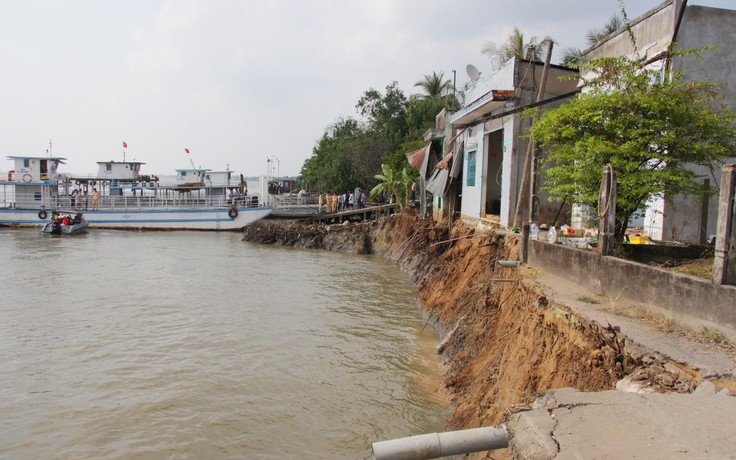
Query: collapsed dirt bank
[{"x": 505, "y": 342}]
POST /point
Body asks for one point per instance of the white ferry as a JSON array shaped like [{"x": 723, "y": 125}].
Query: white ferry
[{"x": 120, "y": 197}]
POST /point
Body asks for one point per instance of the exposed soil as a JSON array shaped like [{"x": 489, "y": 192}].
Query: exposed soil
[{"x": 505, "y": 343}]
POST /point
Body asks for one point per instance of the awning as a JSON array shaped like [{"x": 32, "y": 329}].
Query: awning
[
  {"x": 457, "y": 166},
  {"x": 437, "y": 184},
  {"x": 416, "y": 157},
  {"x": 444, "y": 163}
]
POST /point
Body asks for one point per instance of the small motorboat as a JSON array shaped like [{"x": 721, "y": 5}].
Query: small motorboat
[{"x": 65, "y": 224}]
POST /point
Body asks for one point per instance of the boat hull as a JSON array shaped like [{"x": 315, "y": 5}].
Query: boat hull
[
  {"x": 65, "y": 229},
  {"x": 150, "y": 219}
]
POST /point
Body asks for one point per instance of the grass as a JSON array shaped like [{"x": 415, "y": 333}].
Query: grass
[
  {"x": 588, "y": 299},
  {"x": 663, "y": 322},
  {"x": 712, "y": 334},
  {"x": 702, "y": 268}
]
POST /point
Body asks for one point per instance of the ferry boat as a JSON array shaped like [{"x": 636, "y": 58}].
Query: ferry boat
[{"x": 120, "y": 197}]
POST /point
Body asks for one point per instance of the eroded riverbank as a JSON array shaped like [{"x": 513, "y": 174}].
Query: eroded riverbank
[{"x": 506, "y": 342}]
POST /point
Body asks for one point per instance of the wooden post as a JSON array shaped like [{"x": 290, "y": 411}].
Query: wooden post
[
  {"x": 527, "y": 168},
  {"x": 525, "y": 242},
  {"x": 607, "y": 216},
  {"x": 704, "y": 203},
  {"x": 724, "y": 263}
]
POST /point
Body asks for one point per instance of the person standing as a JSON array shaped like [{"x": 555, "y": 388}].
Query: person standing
[
  {"x": 319, "y": 203},
  {"x": 351, "y": 201},
  {"x": 75, "y": 194},
  {"x": 340, "y": 203},
  {"x": 361, "y": 200},
  {"x": 95, "y": 199},
  {"x": 85, "y": 199},
  {"x": 335, "y": 201}
]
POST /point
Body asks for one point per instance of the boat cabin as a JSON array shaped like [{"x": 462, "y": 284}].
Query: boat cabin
[
  {"x": 194, "y": 176},
  {"x": 36, "y": 181},
  {"x": 119, "y": 170},
  {"x": 217, "y": 178}
]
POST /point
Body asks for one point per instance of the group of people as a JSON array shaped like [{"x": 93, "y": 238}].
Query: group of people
[
  {"x": 237, "y": 198},
  {"x": 333, "y": 202},
  {"x": 81, "y": 199},
  {"x": 66, "y": 219}
]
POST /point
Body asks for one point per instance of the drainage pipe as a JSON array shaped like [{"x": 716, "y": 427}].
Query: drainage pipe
[{"x": 435, "y": 445}]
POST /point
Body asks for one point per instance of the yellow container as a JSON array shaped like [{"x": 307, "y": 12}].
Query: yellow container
[{"x": 638, "y": 239}]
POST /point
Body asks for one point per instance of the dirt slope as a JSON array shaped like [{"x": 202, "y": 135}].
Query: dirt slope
[{"x": 505, "y": 342}]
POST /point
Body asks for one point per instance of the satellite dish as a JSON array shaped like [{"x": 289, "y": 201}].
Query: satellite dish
[{"x": 472, "y": 71}]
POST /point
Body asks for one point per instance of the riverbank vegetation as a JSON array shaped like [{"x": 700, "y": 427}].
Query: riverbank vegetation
[{"x": 352, "y": 150}]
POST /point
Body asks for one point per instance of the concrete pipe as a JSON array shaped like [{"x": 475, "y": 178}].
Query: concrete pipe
[{"x": 437, "y": 445}]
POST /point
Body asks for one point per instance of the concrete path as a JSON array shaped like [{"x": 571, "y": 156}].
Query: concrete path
[
  {"x": 568, "y": 424},
  {"x": 712, "y": 359}
]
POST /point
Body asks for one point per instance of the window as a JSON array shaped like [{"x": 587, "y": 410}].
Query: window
[
  {"x": 471, "y": 169},
  {"x": 108, "y": 167}
]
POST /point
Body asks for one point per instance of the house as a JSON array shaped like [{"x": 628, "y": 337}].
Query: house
[
  {"x": 681, "y": 218},
  {"x": 487, "y": 138}
]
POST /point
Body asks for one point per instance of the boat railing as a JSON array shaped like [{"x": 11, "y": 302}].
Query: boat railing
[
  {"x": 53, "y": 196},
  {"x": 293, "y": 199}
]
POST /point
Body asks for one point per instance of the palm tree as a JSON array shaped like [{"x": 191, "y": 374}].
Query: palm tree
[
  {"x": 516, "y": 47},
  {"x": 572, "y": 56},
  {"x": 596, "y": 36},
  {"x": 435, "y": 85}
]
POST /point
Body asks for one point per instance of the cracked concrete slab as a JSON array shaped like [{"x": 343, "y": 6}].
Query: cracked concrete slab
[{"x": 569, "y": 424}]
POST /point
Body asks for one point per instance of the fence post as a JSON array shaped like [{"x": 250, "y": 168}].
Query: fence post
[
  {"x": 607, "y": 212},
  {"x": 724, "y": 263}
]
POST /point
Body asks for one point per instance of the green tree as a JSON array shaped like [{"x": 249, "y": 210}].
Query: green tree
[
  {"x": 516, "y": 46},
  {"x": 651, "y": 131},
  {"x": 331, "y": 166}
]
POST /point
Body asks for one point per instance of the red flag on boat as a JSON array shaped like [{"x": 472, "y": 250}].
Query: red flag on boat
[
  {"x": 186, "y": 150},
  {"x": 125, "y": 145}
]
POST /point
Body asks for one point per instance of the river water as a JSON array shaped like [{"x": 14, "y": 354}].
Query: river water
[{"x": 197, "y": 345}]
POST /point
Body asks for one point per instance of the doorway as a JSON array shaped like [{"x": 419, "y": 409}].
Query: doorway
[{"x": 493, "y": 174}]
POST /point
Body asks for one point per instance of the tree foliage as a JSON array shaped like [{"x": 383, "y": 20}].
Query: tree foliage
[
  {"x": 393, "y": 181},
  {"x": 516, "y": 46},
  {"x": 351, "y": 152},
  {"x": 595, "y": 36},
  {"x": 331, "y": 168},
  {"x": 651, "y": 129}
]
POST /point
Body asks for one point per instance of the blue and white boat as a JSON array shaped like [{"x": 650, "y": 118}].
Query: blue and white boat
[{"x": 119, "y": 197}]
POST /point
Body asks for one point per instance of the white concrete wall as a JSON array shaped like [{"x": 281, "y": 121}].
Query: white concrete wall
[{"x": 502, "y": 79}]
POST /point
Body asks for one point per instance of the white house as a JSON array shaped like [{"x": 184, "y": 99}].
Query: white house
[{"x": 489, "y": 138}]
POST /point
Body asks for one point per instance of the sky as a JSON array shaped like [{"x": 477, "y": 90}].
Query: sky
[{"x": 245, "y": 85}]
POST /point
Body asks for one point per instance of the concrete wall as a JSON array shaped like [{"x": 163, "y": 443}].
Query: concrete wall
[
  {"x": 691, "y": 301},
  {"x": 653, "y": 31}
]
